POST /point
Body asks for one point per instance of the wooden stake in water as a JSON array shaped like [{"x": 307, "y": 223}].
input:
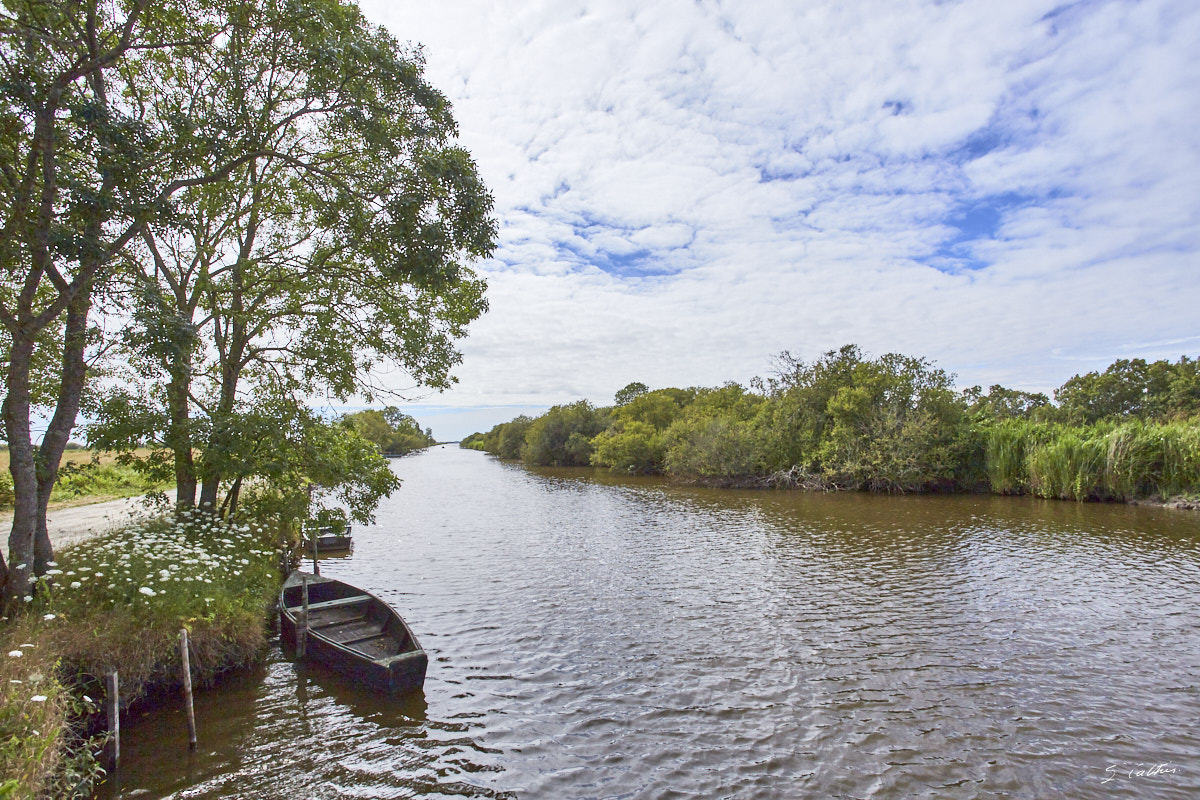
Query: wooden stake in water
[
  {"x": 187, "y": 687},
  {"x": 114, "y": 719},
  {"x": 315, "y": 538},
  {"x": 302, "y": 629}
]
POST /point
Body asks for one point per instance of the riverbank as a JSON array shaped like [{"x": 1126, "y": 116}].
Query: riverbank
[{"x": 117, "y": 601}]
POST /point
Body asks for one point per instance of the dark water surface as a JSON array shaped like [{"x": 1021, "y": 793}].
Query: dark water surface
[{"x": 596, "y": 637}]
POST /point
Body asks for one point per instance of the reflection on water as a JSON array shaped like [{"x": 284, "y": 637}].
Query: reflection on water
[{"x": 598, "y": 637}]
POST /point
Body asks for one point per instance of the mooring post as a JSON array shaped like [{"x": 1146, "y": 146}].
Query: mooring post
[
  {"x": 111, "y": 685},
  {"x": 302, "y": 633},
  {"x": 316, "y": 564},
  {"x": 187, "y": 687}
]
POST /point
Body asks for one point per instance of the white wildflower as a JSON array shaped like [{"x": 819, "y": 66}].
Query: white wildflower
[
  {"x": 48, "y": 617},
  {"x": 15, "y": 654},
  {"x": 38, "y": 698},
  {"x": 146, "y": 590},
  {"x": 75, "y": 584}
]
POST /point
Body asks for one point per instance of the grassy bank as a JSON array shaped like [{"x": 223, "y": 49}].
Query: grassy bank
[
  {"x": 87, "y": 476},
  {"x": 118, "y": 602}
]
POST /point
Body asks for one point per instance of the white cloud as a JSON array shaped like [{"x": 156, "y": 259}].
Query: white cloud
[{"x": 684, "y": 189}]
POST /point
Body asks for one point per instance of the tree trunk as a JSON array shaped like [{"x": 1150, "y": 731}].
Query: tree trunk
[
  {"x": 23, "y": 467},
  {"x": 58, "y": 433},
  {"x": 179, "y": 435}
]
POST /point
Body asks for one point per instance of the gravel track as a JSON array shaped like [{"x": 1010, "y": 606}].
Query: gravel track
[{"x": 74, "y": 524}]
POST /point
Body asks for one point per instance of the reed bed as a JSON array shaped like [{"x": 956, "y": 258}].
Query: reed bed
[{"x": 1126, "y": 461}]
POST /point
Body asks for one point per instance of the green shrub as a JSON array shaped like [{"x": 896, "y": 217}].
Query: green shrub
[
  {"x": 721, "y": 448},
  {"x": 562, "y": 437},
  {"x": 638, "y": 448},
  {"x": 1146, "y": 460},
  {"x": 101, "y": 480}
]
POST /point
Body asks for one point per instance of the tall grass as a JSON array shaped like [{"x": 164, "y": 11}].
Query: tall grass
[
  {"x": 1068, "y": 467},
  {"x": 1006, "y": 455},
  {"x": 1131, "y": 460},
  {"x": 1181, "y": 459}
]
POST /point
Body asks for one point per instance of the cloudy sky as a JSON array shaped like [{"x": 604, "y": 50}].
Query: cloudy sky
[{"x": 686, "y": 188}]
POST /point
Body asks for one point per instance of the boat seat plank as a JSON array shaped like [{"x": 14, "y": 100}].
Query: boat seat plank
[
  {"x": 341, "y": 601},
  {"x": 334, "y": 618}
]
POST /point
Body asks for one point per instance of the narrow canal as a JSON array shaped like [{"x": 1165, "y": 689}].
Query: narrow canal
[{"x": 600, "y": 637}]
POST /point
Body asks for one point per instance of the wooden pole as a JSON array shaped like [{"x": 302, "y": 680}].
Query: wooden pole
[
  {"x": 111, "y": 684},
  {"x": 316, "y": 565},
  {"x": 302, "y": 632},
  {"x": 187, "y": 687}
]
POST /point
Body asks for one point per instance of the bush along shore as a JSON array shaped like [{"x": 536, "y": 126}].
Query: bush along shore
[
  {"x": 890, "y": 424},
  {"x": 118, "y": 602}
]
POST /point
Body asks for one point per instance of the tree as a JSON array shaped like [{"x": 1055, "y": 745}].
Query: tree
[
  {"x": 893, "y": 427},
  {"x": 507, "y": 439},
  {"x": 392, "y": 431},
  {"x": 292, "y": 183},
  {"x": 562, "y": 437},
  {"x": 1131, "y": 388},
  {"x": 1000, "y": 403},
  {"x": 716, "y": 438},
  {"x": 285, "y": 448},
  {"x": 635, "y": 441},
  {"x": 796, "y": 419},
  {"x": 342, "y": 243},
  {"x": 631, "y": 391},
  {"x": 80, "y": 174}
]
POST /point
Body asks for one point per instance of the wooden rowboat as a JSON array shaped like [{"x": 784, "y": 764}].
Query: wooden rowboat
[
  {"x": 330, "y": 536},
  {"x": 352, "y": 632},
  {"x": 329, "y": 542}
]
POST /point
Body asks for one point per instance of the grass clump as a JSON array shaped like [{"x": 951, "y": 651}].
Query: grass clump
[
  {"x": 43, "y": 750},
  {"x": 118, "y": 602}
]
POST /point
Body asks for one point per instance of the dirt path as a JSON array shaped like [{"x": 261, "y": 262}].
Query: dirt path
[{"x": 76, "y": 523}]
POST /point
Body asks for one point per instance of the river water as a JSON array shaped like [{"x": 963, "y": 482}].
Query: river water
[{"x": 601, "y": 637}]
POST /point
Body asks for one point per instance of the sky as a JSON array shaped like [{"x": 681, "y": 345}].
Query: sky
[{"x": 686, "y": 189}]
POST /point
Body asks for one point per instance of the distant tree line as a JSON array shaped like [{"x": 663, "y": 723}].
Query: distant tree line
[
  {"x": 889, "y": 424},
  {"x": 392, "y": 431}
]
